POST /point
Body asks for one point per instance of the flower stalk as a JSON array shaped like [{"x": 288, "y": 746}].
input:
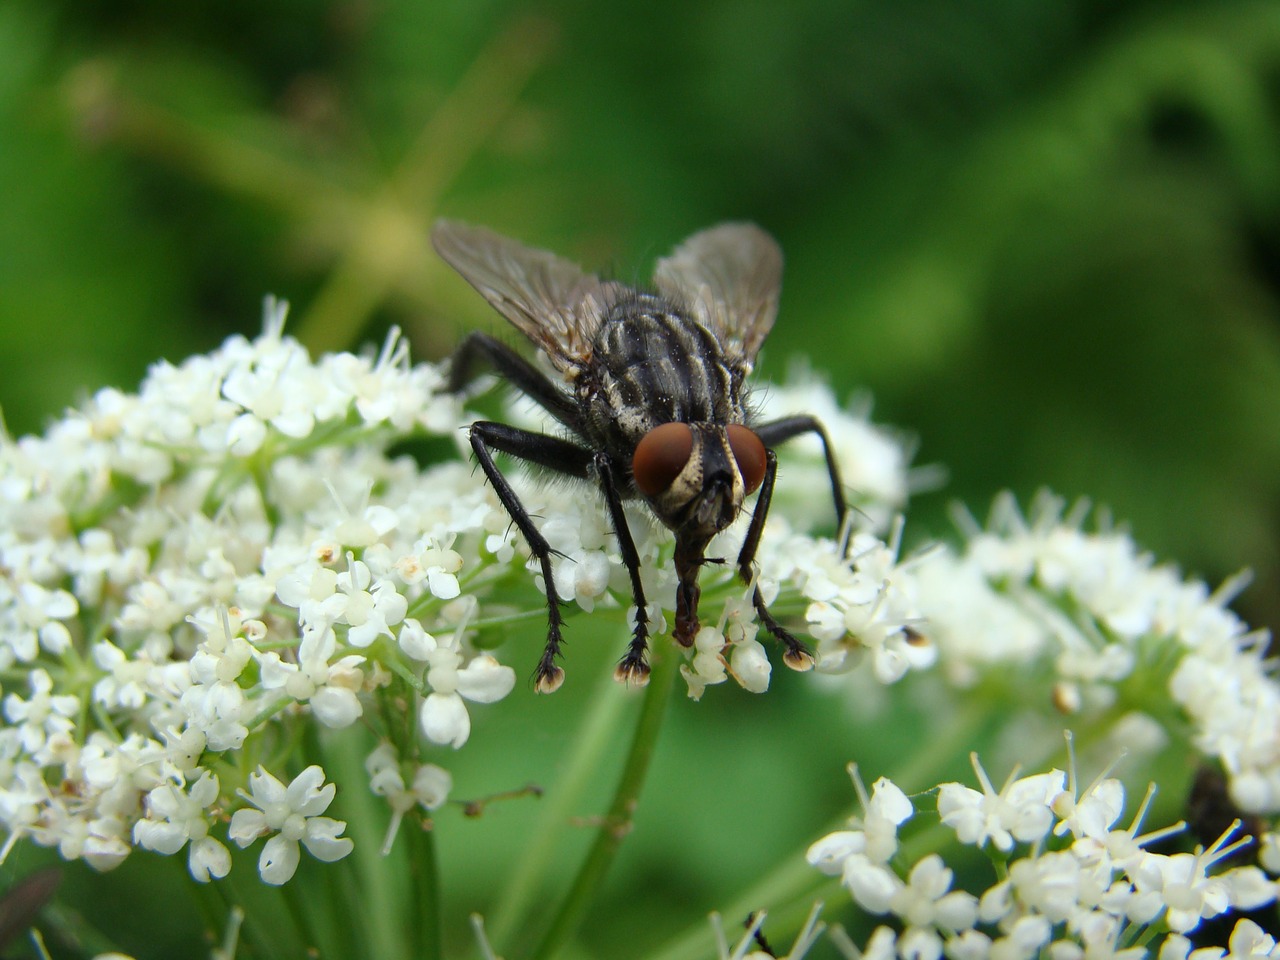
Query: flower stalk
[{"x": 617, "y": 821}]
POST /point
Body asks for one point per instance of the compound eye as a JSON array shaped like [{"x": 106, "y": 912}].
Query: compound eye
[
  {"x": 660, "y": 456},
  {"x": 749, "y": 451}
]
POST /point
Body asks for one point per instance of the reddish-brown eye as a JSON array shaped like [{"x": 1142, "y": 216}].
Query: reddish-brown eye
[
  {"x": 749, "y": 452},
  {"x": 660, "y": 456}
]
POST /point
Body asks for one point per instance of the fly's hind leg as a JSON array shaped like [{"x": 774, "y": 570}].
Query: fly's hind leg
[{"x": 517, "y": 371}]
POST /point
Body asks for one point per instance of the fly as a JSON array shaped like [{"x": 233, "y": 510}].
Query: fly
[{"x": 652, "y": 396}]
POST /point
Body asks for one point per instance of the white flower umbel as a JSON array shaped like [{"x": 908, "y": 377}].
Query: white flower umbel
[
  {"x": 1050, "y": 616},
  {"x": 1075, "y": 893},
  {"x": 196, "y": 573},
  {"x": 291, "y": 816}
]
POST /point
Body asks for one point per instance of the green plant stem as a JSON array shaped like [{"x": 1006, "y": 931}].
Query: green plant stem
[
  {"x": 428, "y": 931},
  {"x": 295, "y": 904},
  {"x": 600, "y": 724},
  {"x": 368, "y": 886},
  {"x": 617, "y": 821}
]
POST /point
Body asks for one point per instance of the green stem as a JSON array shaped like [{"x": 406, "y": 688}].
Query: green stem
[
  {"x": 617, "y": 822},
  {"x": 601, "y": 721},
  {"x": 296, "y": 906},
  {"x": 424, "y": 867}
]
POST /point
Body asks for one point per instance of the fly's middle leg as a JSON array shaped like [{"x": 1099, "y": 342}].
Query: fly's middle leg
[{"x": 633, "y": 667}]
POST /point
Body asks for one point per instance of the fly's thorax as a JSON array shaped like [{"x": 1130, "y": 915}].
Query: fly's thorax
[{"x": 652, "y": 363}]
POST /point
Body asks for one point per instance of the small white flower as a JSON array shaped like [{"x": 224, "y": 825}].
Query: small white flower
[
  {"x": 875, "y": 834},
  {"x": 926, "y": 900},
  {"x": 1269, "y": 852},
  {"x": 707, "y": 665},
  {"x": 969, "y": 945},
  {"x": 312, "y": 589},
  {"x": 430, "y": 789},
  {"x": 1019, "y": 811},
  {"x": 1092, "y": 815},
  {"x": 35, "y": 621},
  {"x": 860, "y": 856},
  {"x": 1182, "y": 887},
  {"x": 125, "y": 686},
  {"x": 175, "y": 817},
  {"x": 1049, "y": 884},
  {"x": 292, "y": 814},
  {"x": 370, "y": 613},
  {"x": 882, "y": 945},
  {"x": 436, "y": 566},
  {"x": 1024, "y": 938},
  {"x": 44, "y": 716},
  {"x": 443, "y": 715},
  {"x": 1250, "y": 940},
  {"x": 750, "y": 666},
  {"x": 330, "y": 688}
]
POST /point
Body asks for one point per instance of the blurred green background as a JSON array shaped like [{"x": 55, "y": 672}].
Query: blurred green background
[{"x": 1045, "y": 236}]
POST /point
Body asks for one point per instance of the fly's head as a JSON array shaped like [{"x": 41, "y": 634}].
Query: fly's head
[{"x": 696, "y": 476}]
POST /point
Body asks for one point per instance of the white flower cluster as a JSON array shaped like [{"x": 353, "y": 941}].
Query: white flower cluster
[
  {"x": 1119, "y": 633},
  {"x": 1071, "y": 884},
  {"x": 188, "y": 571}
]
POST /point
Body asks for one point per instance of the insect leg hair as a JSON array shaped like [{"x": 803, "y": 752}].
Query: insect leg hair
[
  {"x": 632, "y": 667},
  {"x": 797, "y": 656},
  {"x": 517, "y": 371},
  {"x": 555, "y": 454},
  {"x": 780, "y": 431}
]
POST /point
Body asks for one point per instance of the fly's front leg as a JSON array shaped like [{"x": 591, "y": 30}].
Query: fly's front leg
[
  {"x": 555, "y": 454},
  {"x": 632, "y": 668},
  {"x": 797, "y": 656}
]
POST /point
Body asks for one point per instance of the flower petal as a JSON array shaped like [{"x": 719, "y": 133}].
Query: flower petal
[
  {"x": 208, "y": 858},
  {"x": 247, "y": 825},
  {"x": 335, "y": 707},
  {"x": 485, "y": 680},
  {"x": 279, "y": 861},
  {"x": 309, "y": 795},
  {"x": 444, "y": 719},
  {"x": 322, "y": 839}
]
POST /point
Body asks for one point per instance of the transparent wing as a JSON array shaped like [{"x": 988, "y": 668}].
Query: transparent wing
[
  {"x": 729, "y": 276},
  {"x": 550, "y": 300}
]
